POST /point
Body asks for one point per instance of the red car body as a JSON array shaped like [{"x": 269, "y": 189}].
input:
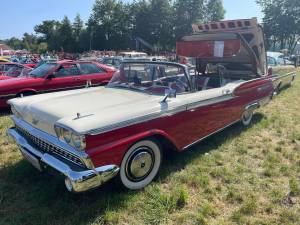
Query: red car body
[
  {"x": 5, "y": 66},
  {"x": 49, "y": 82}
]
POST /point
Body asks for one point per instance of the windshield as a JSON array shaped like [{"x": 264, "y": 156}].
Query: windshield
[
  {"x": 151, "y": 78},
  {"x": 14, "y": 72},
  {"x": 42, "y": 70},
  {"x": 17, "y": 72}
]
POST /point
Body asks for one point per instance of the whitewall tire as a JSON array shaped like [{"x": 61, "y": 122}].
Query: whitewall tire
[
  {"x": 247, "y": 117},
  {"x": 141, "y": 164}
]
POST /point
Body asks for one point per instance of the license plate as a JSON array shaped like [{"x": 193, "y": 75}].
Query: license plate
[{"x": 30, "y": 158}]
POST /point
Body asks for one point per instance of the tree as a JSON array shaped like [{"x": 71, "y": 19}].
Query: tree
[
  {"x": 281, "y": 23},
  {"x": 110, "y": 24},
  {"x": 214, "y": 10},
  {"x": 46, "y": 28},
  {"x": 48, "y": 31},
  {"x": 78, "y": 28},
  {"x": 15, "y": 43},
  {"x": 187, "y": 12}
]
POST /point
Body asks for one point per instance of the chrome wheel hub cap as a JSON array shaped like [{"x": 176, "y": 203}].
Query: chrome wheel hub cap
[
  {"x": 247, "y": 115},
  {"x": 140, "y": 165}
]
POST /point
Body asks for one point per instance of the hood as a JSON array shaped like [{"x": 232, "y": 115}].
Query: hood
[{"x": 98, "y": 107}]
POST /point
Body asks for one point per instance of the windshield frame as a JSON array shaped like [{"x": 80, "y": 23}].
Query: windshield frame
[{"x": 184, "y": 68}]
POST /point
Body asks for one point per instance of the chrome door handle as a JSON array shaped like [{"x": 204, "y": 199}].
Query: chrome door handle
[{"x": 76, "y": 78}]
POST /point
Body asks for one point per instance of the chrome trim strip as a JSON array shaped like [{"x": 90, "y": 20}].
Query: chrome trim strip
[
  {"x": 252, "y": 106},
  {"x": 201, "y": 139},
  {"x": 288, "y": 74},
  {"x": 137, "y": 120},
  {"x": 53, "y": 140},
  {"x": 212, "y": 101},
  {"x": 78, "y": 181},
  {"x": 158, "y": 114}
]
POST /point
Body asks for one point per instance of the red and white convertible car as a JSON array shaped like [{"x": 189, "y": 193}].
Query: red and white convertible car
[{"x": 91, "y": 135}]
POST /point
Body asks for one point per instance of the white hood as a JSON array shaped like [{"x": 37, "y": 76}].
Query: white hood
[{"x": 98, "y": 107}]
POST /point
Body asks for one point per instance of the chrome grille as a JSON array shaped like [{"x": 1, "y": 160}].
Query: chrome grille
[{"x": 47, "y": 147}]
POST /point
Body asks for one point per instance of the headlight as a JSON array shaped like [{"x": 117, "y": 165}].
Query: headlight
[
  {"x": 15, "y": 112},
  {"x": 78, "y": 141},
  {"x": 66, "y": 135},
  {"x": 75, "y": 140}
]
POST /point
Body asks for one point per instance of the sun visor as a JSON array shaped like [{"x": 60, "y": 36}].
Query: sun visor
[{"x": 208, "y": 48}]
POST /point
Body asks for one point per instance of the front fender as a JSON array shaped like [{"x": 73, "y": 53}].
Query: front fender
[{"x": 114, "y": 152}]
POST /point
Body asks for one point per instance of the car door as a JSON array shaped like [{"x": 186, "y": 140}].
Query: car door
[
  {"x": 66, "y": 77},
  {"x": 91, "y": 72},
  {"x": 209, "y": 111}
]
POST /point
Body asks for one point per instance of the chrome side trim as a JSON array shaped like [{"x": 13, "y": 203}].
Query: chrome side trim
[
  {"x": 288, "y": 74},
  {"x": 212, "y": 101},
  {"x": 137, "y": 120},
  {"x": 201, "y": 139},
  {"x": 252, "y": 106},
  {"x": 159, "y": 114},
  {"x": 78, "y": 181},
  {"x": 53, "y": 140}
]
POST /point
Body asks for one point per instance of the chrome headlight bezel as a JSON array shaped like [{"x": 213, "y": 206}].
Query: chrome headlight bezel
[
  {"x": 15, "y": 112},
  {"x": 70, "y": 137}
]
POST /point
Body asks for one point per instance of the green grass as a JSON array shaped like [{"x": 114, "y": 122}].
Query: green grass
[{"x": 239, "y": 176}]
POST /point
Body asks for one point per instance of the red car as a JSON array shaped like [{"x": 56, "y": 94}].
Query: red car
[
  {"x": 16, "y": 71},
  {"x": 6, "y": 66},
  {"x": 59, "y": 76}
]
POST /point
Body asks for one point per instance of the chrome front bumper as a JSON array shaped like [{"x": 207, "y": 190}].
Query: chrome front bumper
[{"x": 78, "y": 180}]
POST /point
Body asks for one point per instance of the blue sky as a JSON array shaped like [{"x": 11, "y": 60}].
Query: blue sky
[{"x": 20, "y": 16}]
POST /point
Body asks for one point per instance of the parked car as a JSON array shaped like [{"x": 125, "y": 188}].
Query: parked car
[
  {"x": 4, "y": 59},
  {"x": 116, "y": 61},
  {"x": 30, "y": 62},
  {"x": 43, "y": 61},
  {"x": 112, "y": 61},
  {"x": 91, "y": 135},
  {"x": 6, "y": 66},
  {"x": 278, "y": 59},
  {"x": 18, "y": 71},
  {"x": 281, "y": 70},
  {"x": 50, "y": 77}
]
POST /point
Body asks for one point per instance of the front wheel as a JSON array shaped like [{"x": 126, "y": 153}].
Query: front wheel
[
  {"x": 141, "y": 164},
  {"x": 247, "y": 117}
]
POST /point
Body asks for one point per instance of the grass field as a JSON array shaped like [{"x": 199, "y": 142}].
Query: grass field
[{"x": 239, "y": 176}]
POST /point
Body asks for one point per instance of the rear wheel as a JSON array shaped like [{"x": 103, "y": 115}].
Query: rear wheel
[
  {"x": 141, "y": 164},
  {"x": 247, "y": 117}
]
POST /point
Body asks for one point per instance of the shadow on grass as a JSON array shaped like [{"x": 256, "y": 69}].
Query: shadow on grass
[
  {"x": 30, "y": 197},
  {"x": 5, "y": 112}
]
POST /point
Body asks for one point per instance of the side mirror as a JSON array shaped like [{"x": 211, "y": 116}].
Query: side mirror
[{"x": 169, "y": 93}]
